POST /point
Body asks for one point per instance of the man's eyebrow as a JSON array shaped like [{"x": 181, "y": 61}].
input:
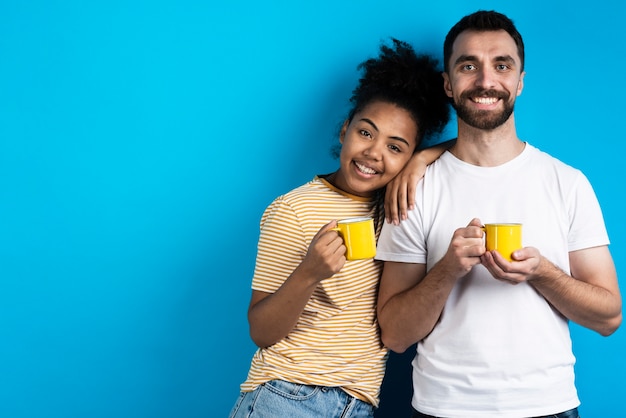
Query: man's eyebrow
[
  {"x": 464, "y": 58},
  {"x": 397, "y": 138},
  {"x": 470, "y": 58},
  {"x": 505, "y": 58}
]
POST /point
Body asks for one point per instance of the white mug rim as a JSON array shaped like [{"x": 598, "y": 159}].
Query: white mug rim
[{"x": 354, "y": 220}]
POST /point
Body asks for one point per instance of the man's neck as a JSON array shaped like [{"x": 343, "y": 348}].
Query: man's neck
[{"x": 487, "y": 148}]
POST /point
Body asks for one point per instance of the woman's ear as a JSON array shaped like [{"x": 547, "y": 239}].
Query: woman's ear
[{"x": 344, "y": 129}]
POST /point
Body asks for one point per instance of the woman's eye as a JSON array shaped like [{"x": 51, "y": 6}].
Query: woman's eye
[
  {"x": 363, "y": 132},
  {"x": 395, "y": 148}
]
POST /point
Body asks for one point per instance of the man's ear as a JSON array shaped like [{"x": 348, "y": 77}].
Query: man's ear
[
  {"x": 446, "y": 84},
  {"x": 520, "y": 83}
]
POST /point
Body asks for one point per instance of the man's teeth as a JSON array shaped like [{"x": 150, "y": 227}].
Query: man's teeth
[
  {"x": 365, "y": 169},
  {"x": 485, "y": 100}
]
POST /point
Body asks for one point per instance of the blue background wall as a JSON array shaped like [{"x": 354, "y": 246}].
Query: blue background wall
[{"x": 141, "y": 140}]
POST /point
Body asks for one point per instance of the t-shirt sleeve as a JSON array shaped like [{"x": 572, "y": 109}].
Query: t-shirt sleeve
[
  {"x": 405, "y": 242},
  {"x": 281, "y": 247},
  {"x": 587, "y": 228}
]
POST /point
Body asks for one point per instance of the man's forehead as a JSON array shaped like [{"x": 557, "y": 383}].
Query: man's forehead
[{"x": 481, "y": 43}]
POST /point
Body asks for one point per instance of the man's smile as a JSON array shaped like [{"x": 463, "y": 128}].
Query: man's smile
[{"x": 485, "y": 100}]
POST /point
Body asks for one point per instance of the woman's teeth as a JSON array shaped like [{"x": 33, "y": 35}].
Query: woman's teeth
[{"x": 365, "y": 169}]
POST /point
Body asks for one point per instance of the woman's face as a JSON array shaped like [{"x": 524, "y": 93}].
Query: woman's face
[{"x": 376, "y": 145}]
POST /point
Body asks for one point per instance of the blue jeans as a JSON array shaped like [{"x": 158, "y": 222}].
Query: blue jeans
[
  {"x": 278, "y": 398},
  {"x": 572, "y": 413}
]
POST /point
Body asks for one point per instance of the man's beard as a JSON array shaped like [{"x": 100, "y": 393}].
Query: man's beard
[{"x": 483, "y": 119}]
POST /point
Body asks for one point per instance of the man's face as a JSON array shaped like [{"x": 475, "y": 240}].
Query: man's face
[{"x": 485, "y": 78}]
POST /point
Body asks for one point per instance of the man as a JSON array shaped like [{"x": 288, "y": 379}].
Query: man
[{"x": 493, "y": 337}]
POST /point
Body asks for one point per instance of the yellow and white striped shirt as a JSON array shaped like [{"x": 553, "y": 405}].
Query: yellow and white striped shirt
[{"x": 336, "y": 340}]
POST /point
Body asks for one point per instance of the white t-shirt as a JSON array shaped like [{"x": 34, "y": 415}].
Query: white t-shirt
[{"x": 498, "y": 349}]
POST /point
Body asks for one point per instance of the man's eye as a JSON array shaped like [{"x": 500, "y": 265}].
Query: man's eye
[
  {"x": 502, "y": 67},
  {"x": 469, "y": 67}
]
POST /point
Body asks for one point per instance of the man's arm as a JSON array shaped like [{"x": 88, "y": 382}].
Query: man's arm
[
  {"x": 408, "y": 305},
  {"x": 411, "y": 301},
  {"x": 590, "y": 296}
]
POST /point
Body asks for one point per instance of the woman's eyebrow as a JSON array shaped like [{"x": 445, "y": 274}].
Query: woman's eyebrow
[{"x": 397, "y": 138}]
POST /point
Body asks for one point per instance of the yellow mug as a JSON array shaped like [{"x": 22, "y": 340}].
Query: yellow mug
[
  {"x": 504, "y": 238},
  {"x": 358, "y": 237}
]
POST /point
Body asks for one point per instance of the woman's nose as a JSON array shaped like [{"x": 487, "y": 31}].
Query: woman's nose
[{"x": 374, "y": 150}]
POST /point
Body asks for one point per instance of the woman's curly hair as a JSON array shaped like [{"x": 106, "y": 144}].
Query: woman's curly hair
[{"x": 408, "y": 80}]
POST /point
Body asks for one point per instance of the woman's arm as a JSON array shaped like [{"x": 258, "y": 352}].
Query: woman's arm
[{"x": 272, "y": 316}]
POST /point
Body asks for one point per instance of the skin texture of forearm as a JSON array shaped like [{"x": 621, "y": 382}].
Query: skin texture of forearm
[
  {"x": 585, "y": 303},
  {"x": 272, "y": 316},
  {"x": 410, "y": 315}
]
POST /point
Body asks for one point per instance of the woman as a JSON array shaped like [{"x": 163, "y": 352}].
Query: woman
[{"x": 312, "y": 313}]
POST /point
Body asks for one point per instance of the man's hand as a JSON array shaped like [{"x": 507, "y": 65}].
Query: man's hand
[
  {"x": 465, "y": 250},
  {"x": 523, "y": 267}
]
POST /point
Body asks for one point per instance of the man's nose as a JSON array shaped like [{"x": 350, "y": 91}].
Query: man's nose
[{"x": 485, "y": 78}]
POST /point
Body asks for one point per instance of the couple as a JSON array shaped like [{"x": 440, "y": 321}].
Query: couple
[{"x": 492, "y": 335}]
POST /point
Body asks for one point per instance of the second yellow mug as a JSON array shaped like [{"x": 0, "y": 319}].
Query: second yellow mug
[
  {"x": 358, "y": 237},
  {"x": 504, "y": 238}
]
